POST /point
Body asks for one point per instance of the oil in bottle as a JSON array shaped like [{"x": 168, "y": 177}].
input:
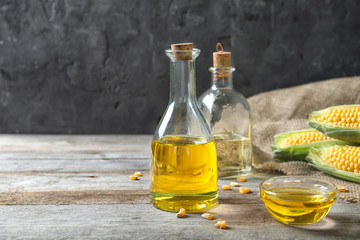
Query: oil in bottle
[
  {"x": 234, "y": 154},
  {"x": 184, "y": 174},
  {"x": 228, "y": 115}
]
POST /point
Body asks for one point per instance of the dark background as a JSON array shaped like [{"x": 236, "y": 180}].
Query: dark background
[{"x": 99, "y": 66}]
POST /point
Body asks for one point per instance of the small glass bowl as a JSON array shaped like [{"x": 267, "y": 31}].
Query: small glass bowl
[{"x": 297, "y": 201}]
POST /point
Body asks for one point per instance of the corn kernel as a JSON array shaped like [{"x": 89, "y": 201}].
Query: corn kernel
[
  {"x": 225, "y": 187},
  {"x": 343, "y": 157},
  {"x": 345, "y": 117},
  {"x": 181, "y": 213},
  {"x": 244, "y": 190},
  {"x": 306, "y": 137},
  {"x": 133, "y": 177},
  {"x": 240, "y": 179},
  {"x": 208, "y": 216},
  {"x": 234, "y": 184},
  {"x": 221, "y": 224},
  {"x": 137, "y": 174},
  {"x": 342, "y": 188}
]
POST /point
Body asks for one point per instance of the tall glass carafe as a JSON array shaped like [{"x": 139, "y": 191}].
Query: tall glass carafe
[
  {"x": 229, "y": 117},
  {"x": 184, "y": 164}
]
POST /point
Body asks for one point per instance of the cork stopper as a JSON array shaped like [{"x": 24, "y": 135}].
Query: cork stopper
[
  {"x": 221, "y": 59},
  {"x": 185, "y": 53}
]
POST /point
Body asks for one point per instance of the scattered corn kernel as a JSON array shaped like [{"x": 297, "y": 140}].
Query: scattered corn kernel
[
  {"x": 181, "y": 213},
  {"x": 234, "y": 184},
  {"x": 133, "y": 177},
  {"x": 342, "y": 188},
  {"x": 240, "y": 179},
  {"x": 220, "y": 224},
  {"x": 208, "y": 216},
  {"x": 137, "y": 174},
  {"x": 244, "y": 190},
  {"x": 225, "y": 187}
]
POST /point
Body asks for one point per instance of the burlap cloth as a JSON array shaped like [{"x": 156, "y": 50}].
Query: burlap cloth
[{"x": 287, "y": 110}]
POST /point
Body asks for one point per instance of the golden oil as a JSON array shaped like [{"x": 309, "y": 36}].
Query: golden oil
[
  {"x": 183, "y": 174},
  {"x": 297, "y": 205},
  {"x": 234, "y": 155}
]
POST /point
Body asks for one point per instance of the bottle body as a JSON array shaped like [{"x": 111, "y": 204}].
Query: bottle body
[
  {"x": 229, "y": 118},
  {"x": 184, "y": 166},
  {"x": 184, "y": 174}
]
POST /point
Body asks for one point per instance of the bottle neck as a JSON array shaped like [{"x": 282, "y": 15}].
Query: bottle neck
[
  {"x": 222, "y": 77},
  {"x": 182, "y": 80}
]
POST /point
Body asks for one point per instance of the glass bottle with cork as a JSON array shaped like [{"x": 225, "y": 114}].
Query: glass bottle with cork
[
  {"x": 184, "y": 165},
  {"x": 229, "y": 117}
]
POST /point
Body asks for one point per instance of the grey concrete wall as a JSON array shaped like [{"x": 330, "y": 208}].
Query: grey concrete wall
[{"x": 98, "y": 66}]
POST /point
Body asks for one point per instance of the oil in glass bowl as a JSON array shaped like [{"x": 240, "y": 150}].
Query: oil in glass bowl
[{"x": 298, "y": 201}]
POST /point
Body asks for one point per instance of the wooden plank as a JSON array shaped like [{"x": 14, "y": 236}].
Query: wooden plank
[
  {"x": 73, "y": 164},
  {"x": 70, "y": 181},
  {"x": 75, "y": 143},
  {"x": 72, "y": 142},
  {"x": 43, "y": 155},
  {"x": 127, "y": 221},
  {"x": 80, "y": 197}
]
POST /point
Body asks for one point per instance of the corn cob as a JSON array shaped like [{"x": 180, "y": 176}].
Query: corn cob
[
  {"x": 340, "y": 122},
  {"x": 296, "y": 145},
  {"x": 339, "y": 161}
]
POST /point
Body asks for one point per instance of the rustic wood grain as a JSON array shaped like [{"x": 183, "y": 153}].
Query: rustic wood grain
[
  {"x": 142, "y": 221},
  {"x": 82, "y": 197},
  {"x": 83, "y": 191}
]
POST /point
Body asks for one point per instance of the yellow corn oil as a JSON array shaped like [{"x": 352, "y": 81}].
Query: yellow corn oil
[
  {"x": 183, "y": 174},
  {"x": 297, "y": 205},
  {"x": 234, "y": 154}
]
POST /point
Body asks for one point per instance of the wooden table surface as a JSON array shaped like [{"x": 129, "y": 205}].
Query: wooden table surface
[{"x": 78, "y": 187}]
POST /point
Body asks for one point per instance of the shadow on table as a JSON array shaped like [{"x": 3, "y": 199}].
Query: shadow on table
[
  {"x": 335, "y": 223},
  {"x": 255, "y": 216}
]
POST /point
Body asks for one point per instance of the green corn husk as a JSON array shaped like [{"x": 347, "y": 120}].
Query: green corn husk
[
  {"x": 315, "y": 160},
  {"x": 297, "y": 152},
  {"x": 350, "y": 134}
]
